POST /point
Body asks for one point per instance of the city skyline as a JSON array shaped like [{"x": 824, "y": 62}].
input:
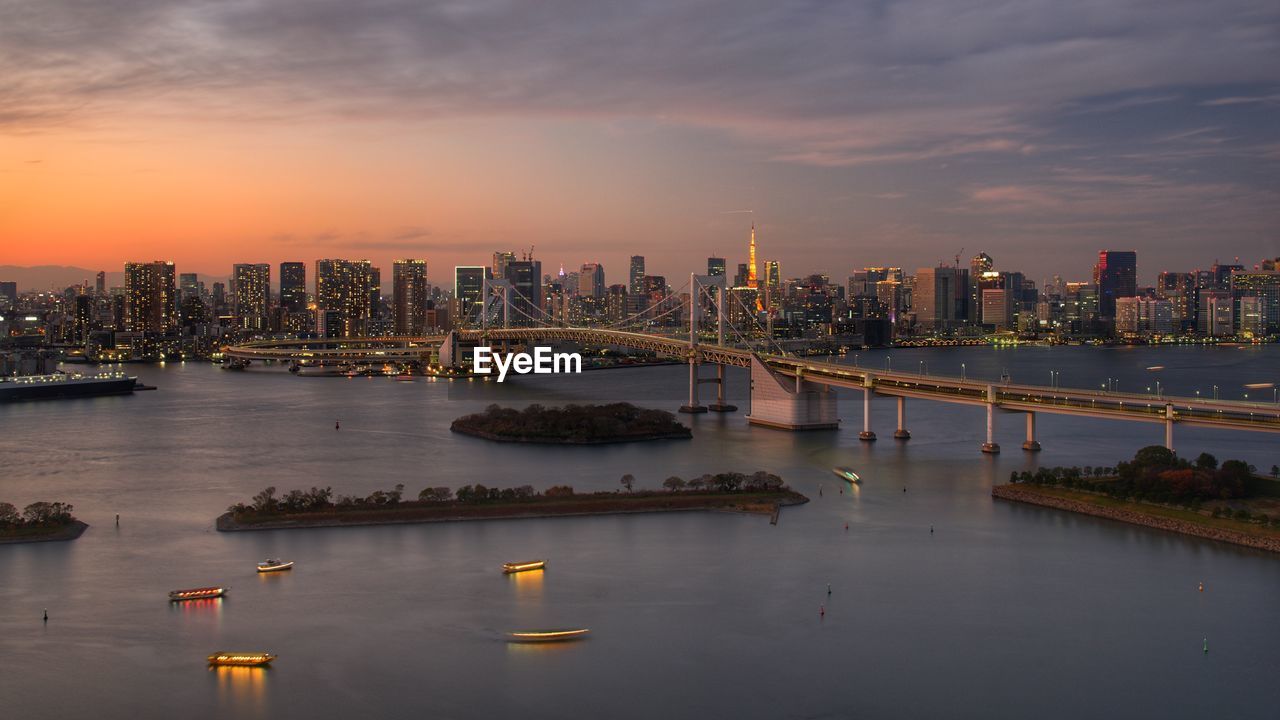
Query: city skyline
[{"x": 893, "y": 135}]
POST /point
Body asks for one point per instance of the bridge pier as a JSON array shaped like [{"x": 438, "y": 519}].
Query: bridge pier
[
  {"x": 990, "y": 446},
  {"x": 720, "y": 405},
  {"x": 779, "y": 402},
  {"x": 1168, "y": 427},
  {"x": 901, "y": 433},
  {"x": 1031, "y": 445},
  {"x": 693, "y": 407}
]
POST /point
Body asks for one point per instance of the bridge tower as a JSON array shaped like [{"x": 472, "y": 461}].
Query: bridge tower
[{"x": 699, "y": 284}]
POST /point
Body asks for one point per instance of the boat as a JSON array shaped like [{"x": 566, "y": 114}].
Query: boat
[
  {"x": 846, "y": 474},
  {"x": 526, "y": 566},
  {"x": 274, "y": 565},
  {"x": 204, "y": 593},
  {"x": 241, "y": 659},
  {"x": 65, "y": 385},
  {"x": 405, "y": 377},
  {"x": 540, "y": 636}
]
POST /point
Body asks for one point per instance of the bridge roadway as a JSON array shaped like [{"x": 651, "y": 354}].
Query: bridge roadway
[{"x": 1228, "y": 414}]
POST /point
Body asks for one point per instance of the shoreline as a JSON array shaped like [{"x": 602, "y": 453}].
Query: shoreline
[
  {"x": 749, "y": 503},
  {"x": 1132, "y": 514},
  {"x": 71, "y": 531},
  {"x": 486, "y": 435}
]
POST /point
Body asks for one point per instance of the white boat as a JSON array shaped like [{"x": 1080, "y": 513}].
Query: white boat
[{"x": 274, "y": 565}]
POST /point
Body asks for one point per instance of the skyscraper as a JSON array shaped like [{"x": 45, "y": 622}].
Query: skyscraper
[
  {"x": 980, "y": 264},
  {"x": 635, "y": 283},
  {"x": 1116, "y": 276},
  {"x": 251, "y": 295},
  {"x": 293, "y": 287},
  {"x": 468, "y": 287},
  {"x": 591, "y": 281},
  {"x": 1263, "y": 285},
  {"x": 500, "y": 260},
  {"x": 188, "y": 285},
  {"x": 939, "y": 297},
  {"x": 525, "y": 277},
  {"x": 753, "y": 280},
  {"x": 101, "y": 286},
  {"x": 150, "y": 297},
  {"x": 715, "y": 266},
  {"x": 343, "y": 291},
  {"x": 409, "y": 295}
]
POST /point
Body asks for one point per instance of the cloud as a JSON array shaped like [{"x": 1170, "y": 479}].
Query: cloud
[
  {"x": 1242, "y": 100},
  {"x": 836, "y": 84}
]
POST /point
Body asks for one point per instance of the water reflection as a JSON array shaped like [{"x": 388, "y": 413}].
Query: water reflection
[
  {"x": 528, "y": 585},
  {"x": 197, "y": 609},
  {"x": 242, "y": 689}
]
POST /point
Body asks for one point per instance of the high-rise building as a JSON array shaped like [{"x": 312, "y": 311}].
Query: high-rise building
[
  {"x": 1264, "y": 285},
  {"x": 468, "y": 289},
  {"x": 1215, "y": 314},
  {"x": 9, "y": 292},
  {"x": 773, "y": 277},
  {"x": 1116, "y": 276},
  {"x": 251, "y": 295},
  {"x": 981, "y": 263},
  {"x": 410, "y": 294},
  {"x": 293, "y": 287},
  {"x": 500, "y": 261},
  {"x": 150, "y": 297},
  {"x": 100, "y": 287},
  {"x": 188, "y": 285},
  {"x": 715, "y": 266},
  {"x": 525, "y": 277},
  {"x": 939, "y": 297},
  {"x": 635, "y": 281},
  {"x": 343, "y": 293},
  {"x": 591, "y": 281},
  {"x": 1252, "y": 317}
]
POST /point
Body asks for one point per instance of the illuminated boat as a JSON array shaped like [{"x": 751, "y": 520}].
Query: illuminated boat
[
  {"x": 405, "y": 377},
  {"x": 274, "y": 565},
  {"x": 537, "y": 636},
  {"x": 204, "y": 593},
  {"x": 241, "y": 659},
  {"x": 845, "y": 473},
  {"x": 516, "y": 567}
]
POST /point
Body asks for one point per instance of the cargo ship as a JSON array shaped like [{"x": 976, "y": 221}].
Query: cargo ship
[{"x": 64, "y": 385}]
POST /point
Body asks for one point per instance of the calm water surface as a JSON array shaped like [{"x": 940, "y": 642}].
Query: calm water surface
[{"x": 1003, "y": 611}]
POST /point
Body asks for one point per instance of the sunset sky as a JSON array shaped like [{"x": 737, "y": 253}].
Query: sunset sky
[{"x": 860, "y": 133}]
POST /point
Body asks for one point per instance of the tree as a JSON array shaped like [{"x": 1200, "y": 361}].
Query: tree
[
  {"x": 46, "y": 513},
  {"x": 1206, "y": 462},
  {"x": 1275, "y": 471},
  {"x": 9, "y": 514},
  {"x": 673, "y": 483},
  {"x": 265, "y": 501},
  {"x": 393, "y": 496},
  {"x": 1157, "y": 456},
  {"x": 627, "y": 481},
  {"x": 435, "y": 494}
]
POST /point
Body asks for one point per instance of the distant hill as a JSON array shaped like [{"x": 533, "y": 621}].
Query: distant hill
[{"x": 59, "y": 277}]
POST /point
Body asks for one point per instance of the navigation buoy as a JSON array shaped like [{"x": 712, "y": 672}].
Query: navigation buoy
[
  {"x": 828, "y": 588},
  {"x": 46, "y": 614},
  {"x": 904, "y": 489},
  {"x": 846, "y": 527},
  {"x": 822, "y": 612},
  {"x": 1206, "y": 645},
  {"x": 1201, "y": 587},
  {"x": 117, "y": 519},
  {"x": 930, "y": 529},
  {"x": 337, "y": 425}
]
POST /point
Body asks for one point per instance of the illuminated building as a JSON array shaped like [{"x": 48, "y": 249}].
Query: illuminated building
[
  {"x": 500, "y": 262},
  {"x": 591, "y": 281},
  {"x": 636, "y": 277},
  {"x": 410, "y": 294},
  {"x": 468, "y": 286},
  {"x": 251, "y": 295},
  {"x": 1116, "y": 276},
  {"x": 525, "y": 277},
  {"x": 715, "y": 266},
  {"x": 1261, "y": 284},
  {"x": 344, "y": 289},
  {"x": 150, "y": 297},
  {"x": 939, "y": 297}
]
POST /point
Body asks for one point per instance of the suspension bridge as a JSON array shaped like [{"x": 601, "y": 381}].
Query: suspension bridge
[{"x": 786, "y": 392}]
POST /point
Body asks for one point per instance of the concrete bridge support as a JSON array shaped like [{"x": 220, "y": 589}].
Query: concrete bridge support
[
  {"x": 990, "y": 446},
  {"x": 1168, "y": 427},
  {"x": 781, "y": 402},
  {"x": 901, "y": 433},
  {"x": 720, "y": 405},
  {"x": 1031, "y": 445},
  {"x": 866, "y": 435},
  {"x": 693, "y": 406}
]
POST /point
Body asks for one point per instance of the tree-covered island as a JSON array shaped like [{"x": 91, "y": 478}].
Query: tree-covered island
[
  {"x": 572, "y": 424},
  {"x": 38, "y": 522}
]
